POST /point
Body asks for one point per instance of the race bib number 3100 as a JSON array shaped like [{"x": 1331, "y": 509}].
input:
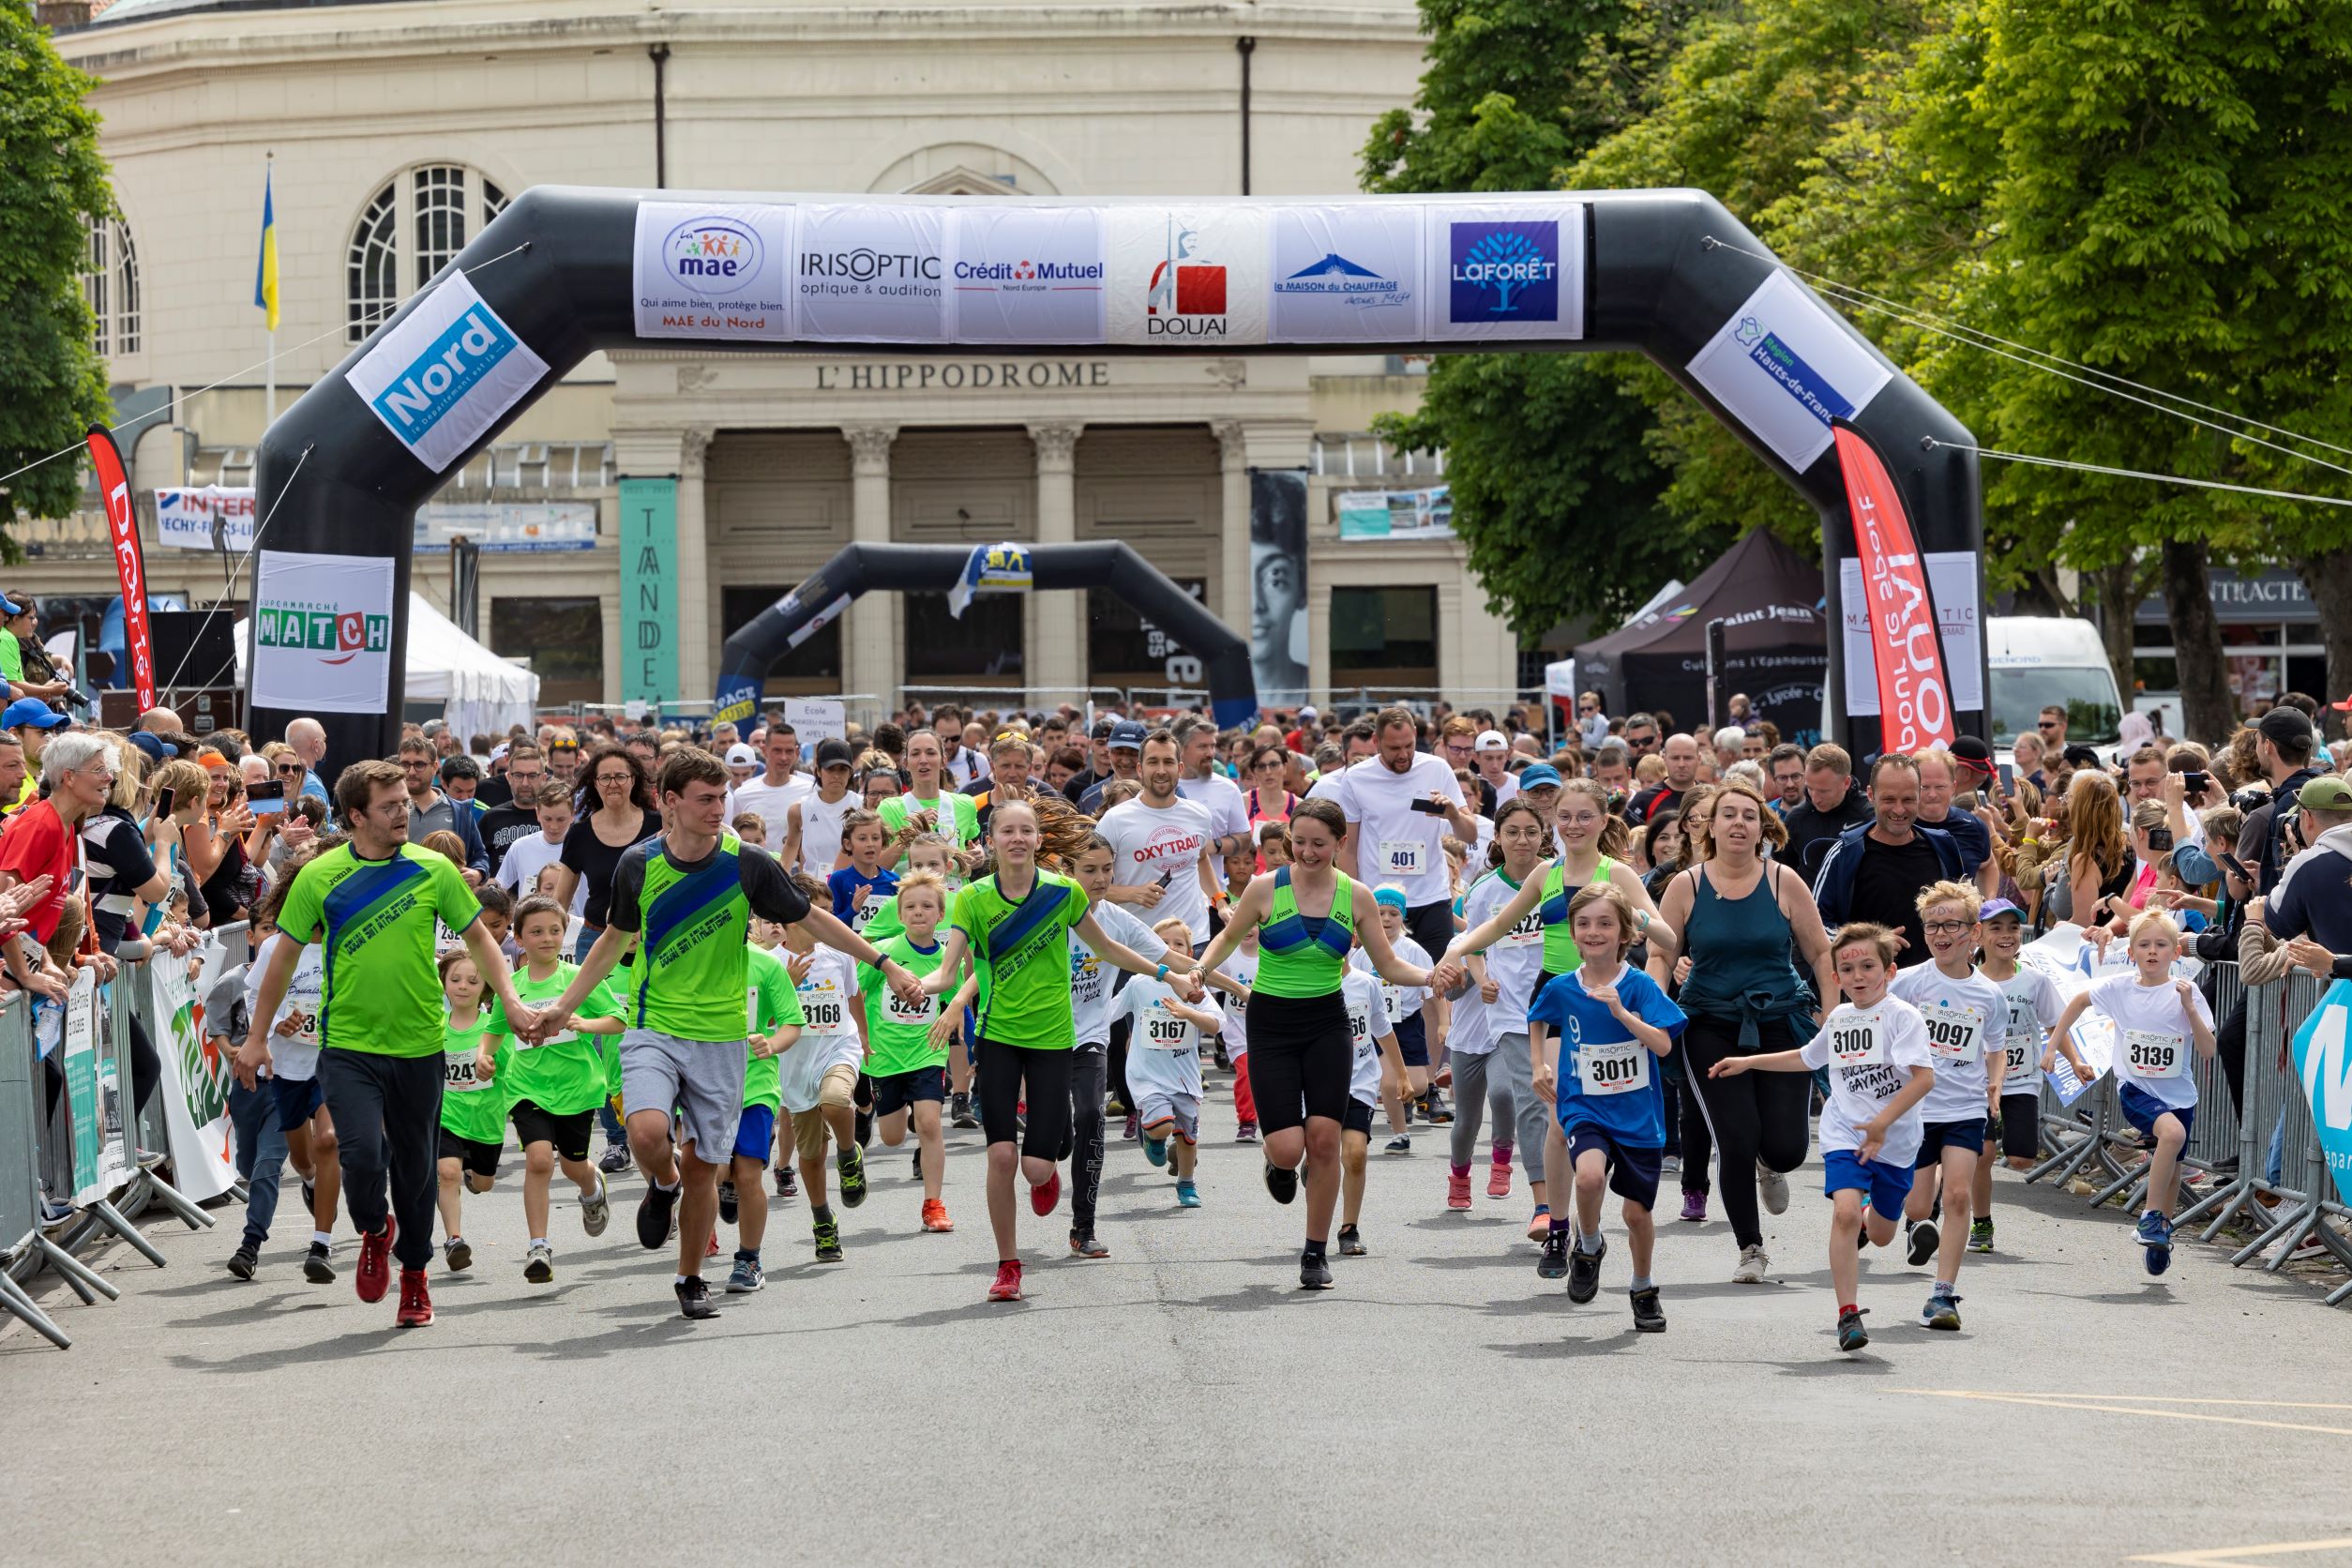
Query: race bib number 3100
[{"x": 1854, "y": 1043}]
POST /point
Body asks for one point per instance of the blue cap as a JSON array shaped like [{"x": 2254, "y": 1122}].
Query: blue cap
[
  {"x": 10, "y": 607},
  {"x": 1994, "y": 908},
  {"x": 155, "y": 746},
  {"x": 1392, "y": 896},
  {"x": 31, "y": 711},
  {"x": 1128, "y": 735},
  {"x": 1539, "y": 776}
]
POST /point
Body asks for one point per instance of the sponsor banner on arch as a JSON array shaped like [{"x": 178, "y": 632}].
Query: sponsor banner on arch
[
  {"x": 872, "y": 274},
  {"x": 442, "y": 375},
  {"x": 1504, "y": 270},
  {"x": 1027, "y": 274},
  {"x": 322, "y": 631},
  {"x": 1347, "y": 272},
  {"x": 1189, "y": 277},
  {"x": 1783, "y": 367},
  {"x": 713, "y": 272}
]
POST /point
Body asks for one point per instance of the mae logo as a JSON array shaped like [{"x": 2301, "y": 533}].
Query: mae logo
[
  {"x": 441, "y": 376},
  {"x": 1504, "y": 271},
  {"x": 712, "y": 255},
  {"x": 339, "y": 636}
]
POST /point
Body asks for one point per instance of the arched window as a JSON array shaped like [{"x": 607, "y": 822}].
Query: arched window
[
  {"x": 413, "y": 227},
  {"x": 110, "y": 282}
]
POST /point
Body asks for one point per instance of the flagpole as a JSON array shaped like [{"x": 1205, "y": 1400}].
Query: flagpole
[{"x": 271, "y": 417}]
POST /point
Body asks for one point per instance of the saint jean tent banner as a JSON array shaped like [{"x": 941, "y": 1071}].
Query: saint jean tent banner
[{"x": 564, "y": 272}]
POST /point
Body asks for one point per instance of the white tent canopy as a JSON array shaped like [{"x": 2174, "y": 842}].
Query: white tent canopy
[{"x": 480, "y": 692}]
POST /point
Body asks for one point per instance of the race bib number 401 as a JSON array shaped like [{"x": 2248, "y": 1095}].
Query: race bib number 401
[{"x": 1404, "y": 857}]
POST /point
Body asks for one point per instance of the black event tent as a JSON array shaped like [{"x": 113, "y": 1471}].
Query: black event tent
[{"x": 1776, "y": 643}]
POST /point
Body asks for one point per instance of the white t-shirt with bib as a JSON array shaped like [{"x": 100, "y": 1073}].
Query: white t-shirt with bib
[
  {"x": 1869, "y": 1052},
  {"x": 1968, "y": 1020},
  {"x": 2153, "y": 1042}
]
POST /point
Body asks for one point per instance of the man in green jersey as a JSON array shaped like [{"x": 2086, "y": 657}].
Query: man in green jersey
[
  {"x": 692, "y": 892},
  {"x": 371, "y": 904}
]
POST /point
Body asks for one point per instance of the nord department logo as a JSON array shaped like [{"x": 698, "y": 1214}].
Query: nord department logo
[
  {"x": 1504, "y": 272},
  {"x": 438, "y": 381}
]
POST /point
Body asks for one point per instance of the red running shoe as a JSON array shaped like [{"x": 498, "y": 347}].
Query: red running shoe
[
  {"x": 373, "y": 1277},
  {"x": 1458, "y": 1189},
  {"x": 711, "y": 1250},
  {"x": 1042, "y": 1198},
  {"x": 416, "y": 1302},
  {"x": 1008, "y": 1281},
  {"x": 1498, "y": 1181}
]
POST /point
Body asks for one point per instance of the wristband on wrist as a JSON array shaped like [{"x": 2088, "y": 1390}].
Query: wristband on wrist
[{"x": 1163, "y": 974}]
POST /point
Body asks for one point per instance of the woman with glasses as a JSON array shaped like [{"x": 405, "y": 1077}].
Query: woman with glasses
[
  {"x": 615, "y": 812},
  {"x": 216, "y": 845},
  {"x": 1268, "y": 799}
]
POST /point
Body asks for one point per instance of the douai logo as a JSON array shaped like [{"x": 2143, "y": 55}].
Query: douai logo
[
  {"x": 1187, "y": 294},
  {"x": 438, "y": 379},
  {"x": 342, "y": 635},
  {"x": 712, "y": 255}
]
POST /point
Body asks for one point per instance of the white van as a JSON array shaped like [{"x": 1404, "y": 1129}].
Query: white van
[{"x": 2033, "y": 661}]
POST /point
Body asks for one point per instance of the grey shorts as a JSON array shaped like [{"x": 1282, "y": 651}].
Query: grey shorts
[
  {"x": 1159, "y": 1106},
  {"x": 701, "y": 1080}
]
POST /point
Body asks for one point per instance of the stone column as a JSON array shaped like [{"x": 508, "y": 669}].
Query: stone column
[
  {"x": 1232, "y": 600},
  {"x": 869, "y": 635},
  {"x": 1057, "y": 652},
  {"x": 698, "y": 595}
]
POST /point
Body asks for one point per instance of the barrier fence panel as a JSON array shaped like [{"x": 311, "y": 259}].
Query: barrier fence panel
[{"x": 21, "y": 1098}]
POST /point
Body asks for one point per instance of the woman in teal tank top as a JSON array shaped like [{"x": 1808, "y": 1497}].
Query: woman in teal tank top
[{"x": 1309, "y": 916}]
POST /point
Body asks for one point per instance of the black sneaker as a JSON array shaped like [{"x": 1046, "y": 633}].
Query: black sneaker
[
  {"x": 1350, "y": 1242},
  {"x": 1924, "y": 1240},
  {"x": 918, "y": 1164},
  {"x": 310, "y": 1199},
  {"x": 1402, "y": 1144},
  {"x": 727, "y": 1205},
  {"x": 243, "y": 1261},
  {"x": 850, "y": 1163},
  {"x": 828, "y": 1237},
  {"x": 1649, "y": 1317},
  {"x": 653, "y": 1213},
  {"x": 1553, "y": 1264},
  {"x": 1283, "y": 1184},
  {"x": 694, "y": 1298},
  {"x": 1313, "y": 1274},
  {"x": 959, "y": 1113},
  {"x": 614, "y": 1159},
  {"x": 315, "y": 1267},
  {"x": 786, "y": 1183},
  {"x": 1852, "y": 1336},
  {"x": 1584, "y": 1272}
]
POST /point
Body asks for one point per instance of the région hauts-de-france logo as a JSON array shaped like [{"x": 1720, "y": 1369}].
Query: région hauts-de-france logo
[
  {"x": 712, "y": 255},
  {"x": 1505, "y": 270},
  {"x": 339, "y": 636},
  {"x": 1186, "y": 296}
]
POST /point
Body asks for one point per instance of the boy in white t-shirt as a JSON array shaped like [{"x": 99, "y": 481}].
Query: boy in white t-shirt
[
  {"x": 2157, "y": 1017},
  {"x": 1371, "y": 1080},
  {"x": 1875, "y": 1045},
  {"x": 1164, "y": 1064},
  {"x": 2034, "y": 1004},
  {"x": 1418, "y": 1016},
  {"x": 525, "y": 858},
  {"x": 818, "y": 1075}
]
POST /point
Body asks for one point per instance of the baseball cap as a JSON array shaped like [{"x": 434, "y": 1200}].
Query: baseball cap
[
  {"x": 2342, "y": 707},
  {"x": 833, "y": 753},
  {"x": 155, "y": 746},
  {"x": 742, "y": 755},
  {"x": 1493, "y": 739},
  {"x": 1308, "y": 716},
  {"x": 2081, "y": 755},
  {"x": 31, "y": 711},
  {"x": 2330, "y": 793},
  {"x": 1542, "y": 775},
  {"x": 1102, "y": 730},
  {"x": 498, "y": 752},
  {"x": 1996, "y": 908},
  {"x": 10, "y": 607},
  {"x": 1128, "y": 735},
  {"x": 1973, "y": 753},
  {"x": 2285, "y": 726}
]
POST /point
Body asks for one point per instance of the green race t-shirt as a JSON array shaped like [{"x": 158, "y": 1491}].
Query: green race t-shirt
[
  {"x": 960, "y": 815},
  {"x": 374, "y": 923},
  {"x": 771, "y": 1002},
  {"x": 898, "y": 1036},
  {"x": 12, "y": 657},
  {"x": 472, "y": 1107},
  {"x": 1023, "y": 957},
  {"x": 567, "y": 1072},
  {"x": 693, "y": 920}
]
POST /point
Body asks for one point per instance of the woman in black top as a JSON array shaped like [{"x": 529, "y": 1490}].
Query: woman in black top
[{"x": 616, "y": 810}]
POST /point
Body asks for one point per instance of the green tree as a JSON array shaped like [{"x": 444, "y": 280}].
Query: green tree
[{"x": 53, "y": 185}]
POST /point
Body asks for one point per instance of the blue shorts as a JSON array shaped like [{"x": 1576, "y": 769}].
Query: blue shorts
[
  {"x": 1886, "y": 1186},
  {"x": 1412, "y": 1039},
  {"x": 1935, "y": 1136},
  {"x": 297, "y": 1101},
  {"x": 1632, "y": 1172},
  {"x": 755, "y": 1131},
  {"x": 2141, "y": 1109},
  {"x": 897, "y": 1091}
]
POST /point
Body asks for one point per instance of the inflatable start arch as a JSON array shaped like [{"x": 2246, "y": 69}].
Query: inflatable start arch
[{"x": 565, "y": 271}]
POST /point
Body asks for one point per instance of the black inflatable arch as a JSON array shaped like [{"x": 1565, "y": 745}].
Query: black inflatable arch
[{"x": 1663, "y": 273}]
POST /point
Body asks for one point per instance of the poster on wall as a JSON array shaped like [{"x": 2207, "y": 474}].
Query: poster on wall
[
  {"x": 1511, "y": 269},
  {"x": 1027, "y": 274},
  {"x": 1784, "y": 366},
  {"x": 1419, "y": 514},
  {"x": 1190, "y": 278},
  {"x": 718, "y": 272},
  {"x": 1277, "y": 585},
  {"x": 322, "y": 632},
  {"x": 871, "y": 273},
  {"x": 650, "y": 610},
  {"x": 1345, "y": 272}
]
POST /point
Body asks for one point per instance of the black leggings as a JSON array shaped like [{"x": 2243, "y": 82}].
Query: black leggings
[
  {"x": 1753, "y": 1116},
  {"x": 1010, "y": 1075},
  {"x": 1699, "y": 1144},
  {"x": 1085, "y": 1143},
  {"x": 1301, "y": 1059}
]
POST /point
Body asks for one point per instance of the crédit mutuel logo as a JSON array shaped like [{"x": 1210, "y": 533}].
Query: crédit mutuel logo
[
  {"x": 1508, "y": 271},
  {"x": 712, "y": 255},
  {"x": 1028, "y": 277},
  {"x": 317, "y": 627}
]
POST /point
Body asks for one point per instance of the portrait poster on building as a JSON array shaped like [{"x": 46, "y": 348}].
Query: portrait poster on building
[{"x": 1277, "y": 585}]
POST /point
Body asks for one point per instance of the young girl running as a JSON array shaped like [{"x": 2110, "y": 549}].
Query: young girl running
[
  {"x": 1504, "y": 959},
  {"x": 1164, "y": 1064},
  {"x": 772, "y": 1022},
  {"x": 906, "y": 1044},
  {"x": 1242, "y": 970},
  {"x": 1419, "y": 1017},
  {"x": 473, "y": 1105},
  {"x": 1377, "y": 1074},
  {"x": 818, "y": 1078},
  {"x": 2034, "y": 1006}
]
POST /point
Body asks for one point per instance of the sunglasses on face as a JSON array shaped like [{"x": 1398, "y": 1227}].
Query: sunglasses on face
[
  {"x": 289, "y": 769},
  {"x": 2048, "y": 724}
]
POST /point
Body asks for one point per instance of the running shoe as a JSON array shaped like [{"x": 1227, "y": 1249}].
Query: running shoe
[
  {"x": 375, "y": 1275},
  {"x": 1115, "y": 1106},
  {"x": 1156, "y": 1150},
  {"x": 614, "y": 1159},
  {"x": 243, "y": 1261},
  {"x": 1540, "y": 1226},
  {"x": 1981, "y": 1236},
  {"x": 710, "y": 1242},
  {"x": 1649, "y": 1317},
  {"x": 1283, "y": 1185},
  {"x": 1694, "y": 1207},
  {"x": 694, "y": 1298},
  {"x": 2155, "y": 1234},
  {"x": 653, "y": 1212},
  {"x": 315, "y": 1266},
  {"x": 827, "y": 1234},
  {"x": 1498, "y": 1179},
  {"x": 1584, "y": 1272},
  {"x": 1772, "y": 1188},
  {"x": 935, "y": 1215},
  {"x": 541, "y": 1268},
  {"x": 457, "y": 1253},
  {"x": 960, "y": 1112},
  {"x": 417, "y": 1302},
  {"x": 1753, "y": 1262},
  {"x": 1553, "y": 1264},
  {"x": 850, "y": 1163},
  {"x": 1006, "y": 1287},
  {"x": 864, "y": 1127},
  {"x": 1852, "y": 1336},
  {"x": 1245, "y": 1133},
  {"x": 1669, "y": 1165},
  {"x": 1350, "y": 1242},
  {"x": 1134, "y": 1129},
  {"x": 918, "y": 1164},
  {"x": 1942, "y": 1310},
  {"x": 1457, "y": 1194},
  {"x": 597, "y": 1212},
  {"x": 727, "y": 1207},
  {"x": 746, "y": 1276},
  {"x": 1925, "y": 1238},
  {"x": 1187, "y": 1194},
  {"x": 1086, "y": 1246},
  {"x": 1401, "y": 1144},
  {"x": 310, "y": 1198},
  {"x": 786, "y": 1184},
  {"x": 1314, "y": 1272},
  {"x": 1043, "y": 1197}
]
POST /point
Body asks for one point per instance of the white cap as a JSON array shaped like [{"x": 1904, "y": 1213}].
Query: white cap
[
  {"x": 1493, "y": 739},
  {"x": 1306, "y": 715},
  {"x": 498, "y": 752},
  {"x": 742, "y": 755}
]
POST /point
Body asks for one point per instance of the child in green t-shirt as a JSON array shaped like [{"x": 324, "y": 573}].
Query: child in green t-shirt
[
  {"x": 472, "y": 1107},
  {"x": 907, "y": 1047},
  {"x": 772, "y": 1024}
]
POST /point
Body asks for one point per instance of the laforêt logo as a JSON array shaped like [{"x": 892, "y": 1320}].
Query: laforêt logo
[{"x": 1505, "y": 270}]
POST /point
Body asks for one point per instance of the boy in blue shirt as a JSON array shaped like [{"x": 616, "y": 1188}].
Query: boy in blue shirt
[
  {"x": 860, "y": 888},
  {"x": 1612, "y": 1020}
]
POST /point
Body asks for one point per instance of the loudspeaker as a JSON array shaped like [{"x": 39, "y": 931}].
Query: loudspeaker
[{"x": 194, "y": 647}]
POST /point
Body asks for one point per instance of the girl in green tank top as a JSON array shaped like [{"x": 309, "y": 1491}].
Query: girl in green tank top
[
  {"x": 1584, "y": 826},
  {"x": 1299, "y": 956}
]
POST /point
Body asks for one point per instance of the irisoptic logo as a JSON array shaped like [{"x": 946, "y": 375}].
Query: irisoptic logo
[
  {"x": 1507, "y": 270},
  {"x": 438, "y": 379},
  {"x": 712, "y": 255}
]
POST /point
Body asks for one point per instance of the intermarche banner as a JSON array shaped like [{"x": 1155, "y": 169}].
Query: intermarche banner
[
  {"x": 122, "y": 530},
  {"x": 1914, "y": 692}
]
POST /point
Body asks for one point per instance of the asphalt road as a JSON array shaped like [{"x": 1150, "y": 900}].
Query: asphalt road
[{"x": 1181, "y": 1401}]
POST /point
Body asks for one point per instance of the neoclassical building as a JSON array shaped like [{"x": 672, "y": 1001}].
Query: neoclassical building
[{"x": 393, "y": 131}]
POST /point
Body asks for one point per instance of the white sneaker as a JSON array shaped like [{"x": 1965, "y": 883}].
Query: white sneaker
[
  {"x": 1771, "y": 1186},
  {"x": 597, "y": 1212},
  {"x": 1753, "y": 1262}
]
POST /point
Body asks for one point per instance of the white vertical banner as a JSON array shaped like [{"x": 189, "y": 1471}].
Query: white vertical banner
[
  {"x": 1188, "y": 277},
  {"x": 195, "y": 1082},
  {"x": 716, "y": 271},
  {"x": 322, "y": 631},
  {"x": 867, "y": 274},
  {"x": 1952, "y": 579},
  {"x": 1026, "y": 275}
]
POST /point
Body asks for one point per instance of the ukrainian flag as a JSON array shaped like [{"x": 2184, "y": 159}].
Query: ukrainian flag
[{"x": 265, "y": 271}]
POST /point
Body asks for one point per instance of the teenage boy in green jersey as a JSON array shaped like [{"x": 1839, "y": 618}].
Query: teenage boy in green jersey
[
  {"x": 554, "y": 1084},
  {"x": 772, "y": 1012},
  {"x": 693, "y": 892},
  {"x": 372, "y": 903},
  {"x": 907, "y": 1043}
]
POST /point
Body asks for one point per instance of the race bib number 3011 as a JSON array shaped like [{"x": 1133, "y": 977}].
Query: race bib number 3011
[{"x": 1618, "y": 1067}]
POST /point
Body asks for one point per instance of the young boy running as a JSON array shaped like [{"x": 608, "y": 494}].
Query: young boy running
[
  {"x": 1967, "y": 1029},
  {"x": 1875, "y": 1045},
  {"x": 473, "y": 1105},
  {"x": 773, "y": 1019},
  {"x": 1610, "y": 1020},
  {"x": 1164, "y": 1065},
  {"x": 766, "y": 936},
  {"x": 2034, "y": 1006},
  {"x": 858, "y": 890},
  {"x": 819, "y": 1077},
  {"x": 1419, "y": 1016},
  {"x": 553, "y": 1086},
  {"x": 905, "y": 1042},
  {"x": 2157, "y": 1016},
  {"x": 1241, "y": 968},
  {"x": 1376, "y": 1072}
]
